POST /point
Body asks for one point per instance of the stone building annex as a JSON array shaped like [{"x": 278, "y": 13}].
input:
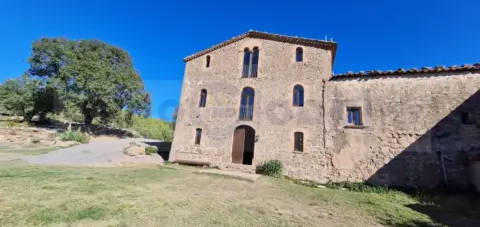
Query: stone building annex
[{"x": 262, "y": 96}]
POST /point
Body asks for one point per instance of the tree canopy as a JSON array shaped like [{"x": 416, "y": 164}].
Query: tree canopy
[
  {"x": 27, "y": 97},
  {"x": 96, "y": 78},
  {"x": 17, "y": 96}
]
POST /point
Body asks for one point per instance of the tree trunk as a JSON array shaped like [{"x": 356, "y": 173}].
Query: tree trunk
[
  {"x": 88, "y": 122},
  {"x": 27, "y": 117},
  {"x": 88, "y": 119},
  {"x": 42, "y": 117}
]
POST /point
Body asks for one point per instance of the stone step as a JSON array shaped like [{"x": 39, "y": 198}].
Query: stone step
[
  {"x": 240, "y": 168},
  {"x": 235, "y": 174}
]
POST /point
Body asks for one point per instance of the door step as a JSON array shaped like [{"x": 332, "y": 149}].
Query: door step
[
  {"x": 240, "y": 168},
  {"x": 234, "y": 174}
]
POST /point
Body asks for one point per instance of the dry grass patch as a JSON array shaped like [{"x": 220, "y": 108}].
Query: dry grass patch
[{"x": 26, "y": 151}]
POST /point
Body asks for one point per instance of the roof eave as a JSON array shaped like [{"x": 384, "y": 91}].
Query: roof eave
[
  {"x": 329, "y": 45},
  {"x": 412, "y": 71}
]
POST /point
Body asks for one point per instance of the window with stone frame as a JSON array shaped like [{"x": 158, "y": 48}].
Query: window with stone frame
[
  {"x": 250, "y": 62},
  {"x": 298, "y": 141},
  {"x": 203, "y": 98},
  {"x": 198, "y": 136},
  {"x": 246, "y": 104},
  {"x": 354, "y": 116},
  {"x": 208, "y": 61},
  {"x": 299, "y": 54},
  {"x": 298, "y": 94},
  {"x": 468, "y": 118}
]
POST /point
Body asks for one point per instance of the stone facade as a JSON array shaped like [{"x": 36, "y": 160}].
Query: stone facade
[{"x": 407, "y": 119}]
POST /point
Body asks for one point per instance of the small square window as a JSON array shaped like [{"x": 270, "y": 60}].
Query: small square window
[
  {"x": 467, "y": 118},
  {"x": 354, "y": 116}
]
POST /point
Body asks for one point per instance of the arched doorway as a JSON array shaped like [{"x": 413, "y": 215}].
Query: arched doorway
[{"x": 243, "y": 145}]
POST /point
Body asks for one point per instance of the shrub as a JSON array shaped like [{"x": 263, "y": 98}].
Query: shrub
[
  {"x": 358, "y": 187},
  {"x": 74, "y": 136},
  {"x": 147, "y": 127},
  {"x": 153, "y": 128},
  {"x": 273, "y": 168},
  {"x": 11, "y": 124},
  {"x": 35, "y": 140},
  {"x": 151, "y": 150}
]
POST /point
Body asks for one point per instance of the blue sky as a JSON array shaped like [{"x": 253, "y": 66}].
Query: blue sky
[{"x": 371, "y": 34}]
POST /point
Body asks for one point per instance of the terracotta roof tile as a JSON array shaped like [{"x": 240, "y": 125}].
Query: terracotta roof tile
[
  {"x": 329, "y": 45},
  {"x": 437, "y": 69}
]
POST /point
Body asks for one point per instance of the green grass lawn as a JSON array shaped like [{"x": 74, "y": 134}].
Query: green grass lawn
[{"x": 167, "y": 196}]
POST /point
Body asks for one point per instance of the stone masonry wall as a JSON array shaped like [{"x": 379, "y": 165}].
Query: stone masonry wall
[
  {"x": 275, "y": 119},
  {"x": 407, "y": 120}
]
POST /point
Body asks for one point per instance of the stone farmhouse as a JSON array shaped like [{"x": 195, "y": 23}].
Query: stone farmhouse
[{"x": 262, "y": 96}]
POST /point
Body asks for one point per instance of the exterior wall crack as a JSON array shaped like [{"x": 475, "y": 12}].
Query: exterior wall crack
[
  {"x": 323, "y": 115},
  {"x": 324, "y": 131}
]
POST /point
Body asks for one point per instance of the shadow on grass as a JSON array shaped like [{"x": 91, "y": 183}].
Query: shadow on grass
[
  {"x": 439, "y": 215},
  {"x": 445, "y": 207},
  {"x": 96, "y": 130},
  {"x": 451, "y": 208}
]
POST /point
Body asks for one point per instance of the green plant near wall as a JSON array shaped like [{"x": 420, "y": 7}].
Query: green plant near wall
[
  {"x": 77, "y": 136},
  {"x": 151, "y": 150},
  {"x": 273, "y": 168}
]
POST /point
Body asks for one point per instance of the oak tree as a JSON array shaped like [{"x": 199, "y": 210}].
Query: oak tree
[{"x": 97, "y": 78}]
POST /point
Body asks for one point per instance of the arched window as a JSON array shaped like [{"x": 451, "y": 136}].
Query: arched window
[
  {"x": 208, "y": 61},
  {"x": 299, "y": 54},
  {"x": 298, "y": 95},
  {"x": 246, "y": 62},
  {"x": 198, "y": 136},
  {"x": 250, "y": 62},
  {"x": 255, "y": 56},
  {"x": 203, "y": 98},
  {"x": 298, "y": 137},
  {"x": 247, "y": 103}
]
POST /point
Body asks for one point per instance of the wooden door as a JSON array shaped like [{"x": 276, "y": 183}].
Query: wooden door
[{"x": 238, "y": 145}]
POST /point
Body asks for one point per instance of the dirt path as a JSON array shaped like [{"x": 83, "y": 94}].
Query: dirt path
[{"x": 100, "y": 152}]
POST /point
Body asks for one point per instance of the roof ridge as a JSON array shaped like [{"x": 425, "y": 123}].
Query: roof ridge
[
  {"x": 269, "y": 36},
  {"x": 292, "y": 36}
]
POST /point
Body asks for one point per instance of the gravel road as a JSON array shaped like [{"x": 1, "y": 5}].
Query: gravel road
[{"x": 100, "y": 152}]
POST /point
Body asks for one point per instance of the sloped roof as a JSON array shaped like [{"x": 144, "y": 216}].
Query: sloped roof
[
  {"x": 413, "y": 71},
  {"x": 329, "y": 45}
]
